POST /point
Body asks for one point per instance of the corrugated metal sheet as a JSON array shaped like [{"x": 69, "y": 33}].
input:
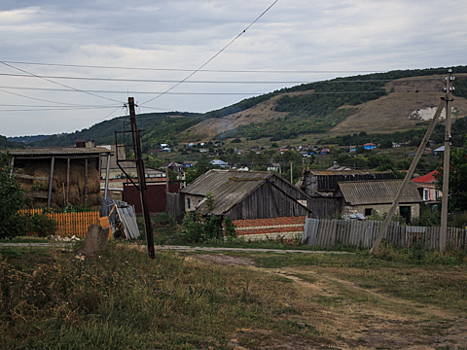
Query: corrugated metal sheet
[
  {"x": 377, "y": 192},
  {"x": 29, "y": 152},
  {"x": 344, "y": 172},
  {"x": 230, "y": 187}
]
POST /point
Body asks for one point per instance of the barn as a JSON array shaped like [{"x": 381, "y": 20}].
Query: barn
[{"x": 243, "y": 195}]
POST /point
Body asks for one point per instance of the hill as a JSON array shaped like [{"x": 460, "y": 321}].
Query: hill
[{"x": 389, "y": 102}]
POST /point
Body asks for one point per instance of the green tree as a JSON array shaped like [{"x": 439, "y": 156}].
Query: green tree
[
  {"x": 457, "y": 180},
  {"x": 11, "y": 201}
]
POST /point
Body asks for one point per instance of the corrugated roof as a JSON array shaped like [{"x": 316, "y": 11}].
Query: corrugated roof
[
  {"x": 30, "y": 152},
  {"x": 377, "y": 192},
  {"x": 345, "y": 172},
  {"x": 228, "y": 187}
]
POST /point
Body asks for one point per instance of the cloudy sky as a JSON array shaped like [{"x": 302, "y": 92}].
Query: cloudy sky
[{"x": 66, "y": 65}]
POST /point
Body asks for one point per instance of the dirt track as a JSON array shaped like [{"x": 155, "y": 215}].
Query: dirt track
[{"x": 352, "y": 317}]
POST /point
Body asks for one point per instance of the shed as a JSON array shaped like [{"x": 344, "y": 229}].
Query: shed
[
  {"x": 61, "y": 175},
  {"x": 364, "y": 197},
  {"x": 245, "y": 195}
]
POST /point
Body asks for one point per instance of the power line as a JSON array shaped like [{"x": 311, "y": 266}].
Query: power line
[
  {"x": 53, "y": 82},
  {"x": 334, "y": 81},
  {"x": 40, "y": 99},
  {"x": 200, "y": 70},
  {"x": 213, "y": 57}
]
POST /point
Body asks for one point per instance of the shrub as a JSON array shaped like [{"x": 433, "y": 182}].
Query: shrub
[
  {"x": 11, "y": 201},
  {"x": 42, "y": 225}
]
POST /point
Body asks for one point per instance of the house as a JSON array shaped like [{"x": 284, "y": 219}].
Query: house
[
  {"x": 188, "y": 165},
  {"x": 319, "y": 183},
  {"x": 439, "y": 150},
  {"x": 274, "y": 167},
  {"x": 220, "y": 163},
  {"x": 324, "y": 151},
  {"x": 256, "y": 148},
  {"x": 353, "y": 148},
  {"x": 369, "y": 146},
  {"x": 426, "y": 185},
  {"x": 321, "y": 186},
  {"x": 242, "y": 195},
  {"x": 176, "y": 168},
  {"x": 366, "y": 197}
]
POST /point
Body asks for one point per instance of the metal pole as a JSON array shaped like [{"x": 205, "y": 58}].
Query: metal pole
[
  {"x": 447, "y": 162},
  {"x": 141, "y": 179}
]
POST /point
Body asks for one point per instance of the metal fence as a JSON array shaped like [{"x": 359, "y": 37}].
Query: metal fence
[{"x": 326, "y": 233}]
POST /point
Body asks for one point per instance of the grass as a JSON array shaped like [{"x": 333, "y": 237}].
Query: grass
[{"x": 124, "y": 300}]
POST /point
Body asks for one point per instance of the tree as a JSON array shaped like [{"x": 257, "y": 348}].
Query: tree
[
  {"x": 11, "y": 201},
  {"x": 457, "y": 180}
]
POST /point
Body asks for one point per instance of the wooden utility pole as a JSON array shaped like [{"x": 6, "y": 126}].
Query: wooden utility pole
[
  {"x": 141, "y": 178},
  {"x": 408, "y": 178},
  {"x": 447, "y": 161}
]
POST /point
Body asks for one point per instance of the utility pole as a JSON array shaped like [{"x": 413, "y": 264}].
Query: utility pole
[
  {"x": 447, "y": 161},
  {"x": 408, "y": 178},
  {"x": 141, "y": 178}
]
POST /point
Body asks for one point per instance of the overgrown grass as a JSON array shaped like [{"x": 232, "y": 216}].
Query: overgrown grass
[{"x": 122, "y": 299}]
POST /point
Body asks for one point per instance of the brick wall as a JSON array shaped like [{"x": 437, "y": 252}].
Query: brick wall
[{"x": 270, "y": 229}]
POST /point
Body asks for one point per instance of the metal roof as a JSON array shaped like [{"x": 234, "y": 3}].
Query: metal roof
[
  {"x": 345, "y": 172},
  {"x": 227, "y": 187},
  {"x": 377, "y": 192},
  {"x": 59, "y": 151}
]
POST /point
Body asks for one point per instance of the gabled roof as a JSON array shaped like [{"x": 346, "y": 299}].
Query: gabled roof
[
  {"x": 229, "y": 187},
  {"x": 426, "y": 179},
  {"x": 377, "y": 192}
]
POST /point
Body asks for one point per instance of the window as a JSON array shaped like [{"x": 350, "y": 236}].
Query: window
[
  {"x": 426, "y": 194},
  {"x": 188, "y": 203},
  {"x": 436, "y": 195},
  {"x": 368, "y": 211}
]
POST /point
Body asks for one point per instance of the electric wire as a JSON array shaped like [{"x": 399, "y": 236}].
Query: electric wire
[
  {"x": 200, "y": 70},
  {"x": 213, "y": 57},
  {"x": 54, "y": 82},
  {"x": 334, "y": 81},
  {"x": 44, "y": 100}
]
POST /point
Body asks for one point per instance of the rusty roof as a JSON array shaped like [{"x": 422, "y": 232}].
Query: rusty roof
[
  {"x": 58, "y": 151},
  {"x": 377, "y": 192}
]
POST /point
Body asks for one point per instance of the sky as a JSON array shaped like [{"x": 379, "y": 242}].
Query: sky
[{"x": 67, "y": 65}]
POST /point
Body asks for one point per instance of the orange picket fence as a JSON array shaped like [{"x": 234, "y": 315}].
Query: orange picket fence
[{"x": 69, "y": 224}]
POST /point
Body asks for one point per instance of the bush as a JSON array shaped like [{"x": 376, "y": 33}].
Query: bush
[
  {"x": 42, "y": 225},
  {"x": 196, "y": 229},
  {"x": 11, "y": 201}
]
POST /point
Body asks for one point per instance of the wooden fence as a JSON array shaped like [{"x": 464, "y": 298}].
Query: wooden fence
[
  {"x": 325, "y": 233},
  {"x": 69, "y": 224}
]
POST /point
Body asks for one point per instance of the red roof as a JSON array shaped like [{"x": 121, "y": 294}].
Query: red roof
[{"x": 426, "y": 179}]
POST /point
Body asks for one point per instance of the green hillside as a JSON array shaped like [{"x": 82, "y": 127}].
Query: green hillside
[{"x": 314, "y": 108}]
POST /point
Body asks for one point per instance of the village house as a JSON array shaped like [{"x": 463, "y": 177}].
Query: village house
[
  {"x": 322, "y": 185},
  {"x": 245, "y": 195},
  {"x": 369, "y": 146},
  {"x": 367, "y": 197},
  {"x": 426, "y": 185}
]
